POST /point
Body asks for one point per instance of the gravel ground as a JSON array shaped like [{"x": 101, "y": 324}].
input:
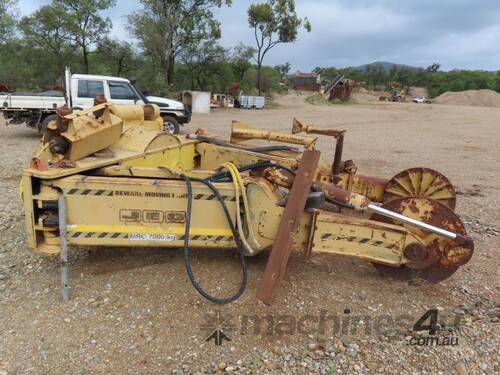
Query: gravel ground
[{"x": 134, "y": 310}]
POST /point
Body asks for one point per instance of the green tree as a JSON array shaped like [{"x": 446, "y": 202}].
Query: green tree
[
  {"x": 327, "y": 74},
  {"x": 7, "y": 19},
  {"x": 271, "y": 79},
  {"x": 240, "y": 60},
  {"x": 117, "y": 56},
  {"x": 203, "y": 61},
  {"x": 496, "y": 82},
  {"x": 84, "y": 25},
  {"x": 375, "y": 74},
  {"x": 164, "y": 27},
  {"x": 14, "y": 72},
  {"x": 283, "y": 69},
  {"x": 273, "y": 22},
  {"x": 433, "y": 68},
  {"x": 319, "y": 70},
  {"x": 45, "y": 29}
]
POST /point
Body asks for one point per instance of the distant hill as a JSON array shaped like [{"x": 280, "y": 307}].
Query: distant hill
[{"x": 386, "y": 65}]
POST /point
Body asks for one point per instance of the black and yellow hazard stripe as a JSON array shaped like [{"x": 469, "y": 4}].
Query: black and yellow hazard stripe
[
  {"x": 207, "y": 238},
  {"x": 112, "y": 235},
  {"x": 97, "y": 192},
  {"x": 209, "y": 197},
  {"x": 361, "y": 240},
  {"x": 119, "y": 235}
]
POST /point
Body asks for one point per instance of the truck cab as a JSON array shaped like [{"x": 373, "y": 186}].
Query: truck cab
[
  {"x": 37, "y": 110},
  {"x": 84, "y": 88}
]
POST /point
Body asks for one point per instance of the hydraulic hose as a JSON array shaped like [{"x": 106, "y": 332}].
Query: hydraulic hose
[
  {"x": 238, "y": 234},
  {"x": 220, "y": 142},
  {"x": 236, "y": 237},
  {"x": 239, "y": 186},
  {"x": 260, "y": 164}
]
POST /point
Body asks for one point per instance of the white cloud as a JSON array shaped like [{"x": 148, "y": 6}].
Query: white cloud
[
  {"x": 333, "y": 19},
  {"x": 475, "y": 49},
  {"x": 455, "y": 33}
]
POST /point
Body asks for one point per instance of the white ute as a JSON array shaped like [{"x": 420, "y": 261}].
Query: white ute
[
  {"x": 420, "y": 99},
  {"x": 38, "y": 109}
]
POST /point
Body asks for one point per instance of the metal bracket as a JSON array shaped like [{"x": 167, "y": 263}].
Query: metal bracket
[
  {"x": 63, "y": 236},
  {"x": 312, "y": 231}
]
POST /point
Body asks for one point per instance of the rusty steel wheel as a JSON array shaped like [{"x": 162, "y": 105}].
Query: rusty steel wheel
[
  {"x": 444, "y": 256},
  {"x": 421, "y": 182}
]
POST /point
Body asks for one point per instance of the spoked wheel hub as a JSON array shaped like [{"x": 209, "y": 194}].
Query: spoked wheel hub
[
  {"x": 421, "y": 182},
  {"x": 438, "y": 257}
]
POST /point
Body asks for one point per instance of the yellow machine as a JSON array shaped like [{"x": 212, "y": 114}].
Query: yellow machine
[{"x": 109, "y": 176}]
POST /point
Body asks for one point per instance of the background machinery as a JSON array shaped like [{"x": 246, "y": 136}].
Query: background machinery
[{"x": 397, "y": 93}]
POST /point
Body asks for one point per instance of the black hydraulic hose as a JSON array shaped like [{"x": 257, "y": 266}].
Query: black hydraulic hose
[
  {"x": 236, "y": 237},
  {"x": 262, "y": 163},
  {"x": 225, "y": 174},
  {"x": 268, "y": 148},
  {"x": 220, "y": 142},
  {"x": 208, "y": 182}
]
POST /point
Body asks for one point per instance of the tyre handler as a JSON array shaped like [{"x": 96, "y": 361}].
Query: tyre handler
[{"x": 109, "y": 176}]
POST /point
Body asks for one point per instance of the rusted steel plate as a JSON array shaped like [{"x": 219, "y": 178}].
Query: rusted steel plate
[
  {"x": 61, "y": 122},
  {"x": 337, "y": 159},
  {"x": 344, "y": 197},
  {"x": 282, "y": 248},
  {"x": 276, "y": 176},
  {"x": 369, "y": 186},
  {"x": 421, "y": 182}
]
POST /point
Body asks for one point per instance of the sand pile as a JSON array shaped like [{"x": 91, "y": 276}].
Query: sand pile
[
  {"x": 481, "y": 98},
  {"x": 362, "y": 95}
]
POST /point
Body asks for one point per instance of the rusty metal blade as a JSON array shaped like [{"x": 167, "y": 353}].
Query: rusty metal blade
[{"x": 282, "y": 248}]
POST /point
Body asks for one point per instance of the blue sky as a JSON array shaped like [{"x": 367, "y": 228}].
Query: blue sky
[{"x": 462, "y": 34}]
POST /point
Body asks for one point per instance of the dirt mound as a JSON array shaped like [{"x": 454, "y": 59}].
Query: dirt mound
[
  {"x": 362, "y": 95},
  {"x": 480, "y": 98}
]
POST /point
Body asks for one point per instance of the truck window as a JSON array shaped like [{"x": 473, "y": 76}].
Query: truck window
[
  {"x": 90, "y": 89},
  {"x": 121, "y": 90}
]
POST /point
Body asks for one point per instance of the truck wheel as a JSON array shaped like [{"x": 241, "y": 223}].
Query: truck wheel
[
  {"x": 170, "y": 125},
  {"x": 45, "y": 122}
]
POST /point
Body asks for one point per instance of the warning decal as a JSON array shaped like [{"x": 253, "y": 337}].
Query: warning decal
[{"x": 151, "y": 237}]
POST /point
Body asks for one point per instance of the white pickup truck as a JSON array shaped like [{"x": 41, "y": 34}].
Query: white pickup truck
[{"x": 38, "y": 109}]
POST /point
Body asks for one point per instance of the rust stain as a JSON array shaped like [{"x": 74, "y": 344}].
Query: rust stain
[
  {"x": 446, "y": 255},
  {"x": 39, "y": 164}
]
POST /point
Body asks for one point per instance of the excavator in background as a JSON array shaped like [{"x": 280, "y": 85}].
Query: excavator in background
[{"x": 397, "y": 93}]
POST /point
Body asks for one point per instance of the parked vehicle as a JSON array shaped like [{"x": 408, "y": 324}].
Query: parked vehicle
[
  {"x": 421, "y": 99},
  {"x": 38, "y": 109}
]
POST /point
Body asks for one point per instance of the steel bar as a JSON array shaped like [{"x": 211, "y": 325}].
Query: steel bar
[
  {"x": 409, "y": 220},
  {"x": 63, "y": 235}
]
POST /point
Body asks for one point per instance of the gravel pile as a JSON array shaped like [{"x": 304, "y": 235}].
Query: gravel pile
[{"x": 479, "y": 98}]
